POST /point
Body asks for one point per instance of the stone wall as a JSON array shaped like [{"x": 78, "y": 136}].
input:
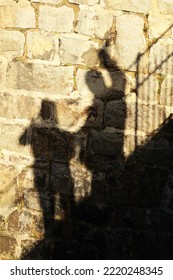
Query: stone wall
[{"x": 86, "y": 129}]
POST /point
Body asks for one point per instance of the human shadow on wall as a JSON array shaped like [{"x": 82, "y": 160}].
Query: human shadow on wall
[
  {"x": 77, "y": 235},
  {"x": 128, "y": 212}
]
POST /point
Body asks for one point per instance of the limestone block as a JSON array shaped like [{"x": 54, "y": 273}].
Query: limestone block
[
  {"x": 94, "y": 21},
  {"x": 7, "y": 247},
  {"x": 147, "y": 88},
  {"x": 102, "y": 83},
  {"x": 161, "y": 57},
  {"x": 10, "y": 138},
  {"x": 43, "y": 46},
  {"x": 39, "y": 77},
  {"x": 71, "y": 115},
  {"x": 56, "y": 19},
  {"x": 11, "y": 43},
  {"x": 18, "y": 107},
  {"x": 130, "y": 41},
  {"x": 76, "y": 49},
  {"x": 8, "y": 188},
  {"x": 166, "y": 6},
  {"x": 48, "y": 1},
  {"x": 87, "y": 2},
  {"x": 166, "y": 94},
  {"x": 160, "y": 26},
  {"x": 128, "y": 5},
  {"x": 17, "y": 16}
]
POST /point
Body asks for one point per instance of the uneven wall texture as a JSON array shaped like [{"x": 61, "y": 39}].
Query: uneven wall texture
[{"x": 86, "y": 133}]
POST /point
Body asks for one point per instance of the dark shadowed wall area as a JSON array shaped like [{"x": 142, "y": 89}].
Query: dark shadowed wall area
[{"x": 86, "y": 129}]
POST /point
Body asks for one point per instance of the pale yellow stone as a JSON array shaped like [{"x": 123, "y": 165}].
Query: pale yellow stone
[
  {"x": 128, "y": 5},
  {"x": 11, "y": 43},
  {"x": 77, "y": 49},
  {"x": 56, "y": 19},
  {"x": 87, "y": 2},
  {"x": 94, "y": 21},
  {"x": 160, "y": 26},
  {"x": 40, "y": 46},
  {"x": 166, "y": 6},
  {"x": 130, "y": 42},
  {"x": 47, "y": 1},
  {"x": 40, "y": 77},
  {"x": 17, "y": 16}
]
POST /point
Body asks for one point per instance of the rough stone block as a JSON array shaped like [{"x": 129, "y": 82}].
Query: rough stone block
[
  {"x": 13, "y": 107},
  {"x": 166, "y": 6},
  {"x": 43, "y": 46},
  {"x": 17, "y": 16},
  {"x": 8, "y": 188},
  {"x": 130, "y": 41},
  {"x": 128, "y": 5},
  {"x": 87, "y": 2},
  {"x": 103, "y": 83},
  {"x": 161, "y": 57},
  {"x": 94, "y": 22},
  {"x": 11, "y": 43},
  {"x": 76, "y": 49},
  {"x": 71, "y": 114},
  {"x": 52, "y": 19},
  {"x": 7, "y": 247},
  {"x": 48, "y": 1},
  {"x": 39, "y": 77},
  {"x": 9, "y": 132},
  {"x": 166, "y": 94},
  {"x": 160, "y": 26}
]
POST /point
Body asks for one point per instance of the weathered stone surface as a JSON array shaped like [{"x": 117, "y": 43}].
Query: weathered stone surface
[
  {"x": 76, "y": 49},
  {"x": 160, "y": 26},
  {"x": 52, "y": 19},
  {"x": 130, "y": 41},
  {"x": 126, "y": 5},
  {"x": 48, "y": 1},
  {"x": 87, "y": 2},
  {"x": 39, "y": 77},
  {"x": 8, "y": 188},
  {"x": 166, "y": 94},
  {"x": 71, "y": 114},
  {"x": 103, "y": 83},
  {"x": 94, "y": 22},
  {"x": 43, "y": 46},
  {"x": 17, "y": 16},
  {"x": 25, "y": 222},
  {"x": 147, "y": 88},
  {"x": 13, "y": 107},
  {"x": 9, "y": 132},
  {"x": 166, "y": 6},
  {"x": 7, "y": 247},
  {"x": 11, "y": 43},
  {"x": 161, "y": 57}
]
